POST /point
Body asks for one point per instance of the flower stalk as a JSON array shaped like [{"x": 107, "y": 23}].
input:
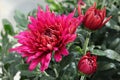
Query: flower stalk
[{"x": 86, "y": 43}]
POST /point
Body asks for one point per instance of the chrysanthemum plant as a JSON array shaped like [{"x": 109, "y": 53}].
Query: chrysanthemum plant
[{"x": 70, "y": 40}]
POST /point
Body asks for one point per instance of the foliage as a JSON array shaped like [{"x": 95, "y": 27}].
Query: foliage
[{"x": 105, "y": 43}]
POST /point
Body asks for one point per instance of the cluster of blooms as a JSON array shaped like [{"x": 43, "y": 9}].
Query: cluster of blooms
[{"x": 48, "y": 33}]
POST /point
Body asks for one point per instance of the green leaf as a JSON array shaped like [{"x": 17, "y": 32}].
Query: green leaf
[
  {"x": 108, "y": 53},
  {"x": 98, "y": 52},
  {"x": 112, "y": 55},
  {"x": 77, "y": 48},
  {"x": 4, "y": 39},
  {"x": 8, "y": 27},
  {"x": 21, "y": 19},
  {"x": 117, "y": 49},
  {"x": 28, "y": 73},
  {"x": 107, "y": 66},
  {"x": 5, "y": 44},
  {"x": 80, "y": 39},
  {"x": 22, "y": 67},
  {"x": 115, "y": 43},
  {"x": 11, "y": 58},
  {"x": 49, "y": 1}
]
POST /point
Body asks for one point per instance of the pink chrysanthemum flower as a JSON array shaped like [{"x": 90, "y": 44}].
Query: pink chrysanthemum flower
[{"x": 47, "y": 33}]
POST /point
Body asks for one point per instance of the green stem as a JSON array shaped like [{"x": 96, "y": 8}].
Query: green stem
[
  {"x": 56, "y": 73},
  {"x": 46, "y": 74},
  {"x": 82, "y": 77},
  {"x": 86, "y": 42}
]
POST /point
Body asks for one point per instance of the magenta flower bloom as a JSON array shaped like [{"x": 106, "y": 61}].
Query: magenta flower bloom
[{"x": 47, "y": 33}]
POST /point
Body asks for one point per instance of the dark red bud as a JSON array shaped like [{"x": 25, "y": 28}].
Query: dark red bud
[
  {"x": 94, "y": 19},
  {"x": 87, "y": 64}
]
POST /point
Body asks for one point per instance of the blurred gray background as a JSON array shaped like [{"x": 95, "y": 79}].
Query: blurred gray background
[{"x": 7, "y": 8}]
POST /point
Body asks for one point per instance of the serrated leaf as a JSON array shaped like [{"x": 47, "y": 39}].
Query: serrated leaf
[
  {"x": 8, "y": 27},
  {"x": 21, "y": 19}
]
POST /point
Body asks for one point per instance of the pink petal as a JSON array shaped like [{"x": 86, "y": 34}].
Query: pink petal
[
  {"x": 31, "y": 27},
  {"x": 26, "y": 55},
  {"x": 79, "y": 10},
  {"x": 30, "y": 58},
  {"x": 47, "y": 9},
  {"x": 64, "y": 52},
  {"x": 69, "y": 38},
  {"x": 32, "y": 19},
  {"x": 45, "y": 62},
  {"x": 33, "y": 64},
  {"x": 57, "y": 56}
]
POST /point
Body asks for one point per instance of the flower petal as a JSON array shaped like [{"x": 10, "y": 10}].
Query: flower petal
[
  {"x": 57, "y": 56},
  {"x": 45, "y": 62},
  {"x": 64, "y": 52},
  {"x": 69, "y": 38},
  {"x": 30, "y": 58},
  {"x": 33, "y": 64}
]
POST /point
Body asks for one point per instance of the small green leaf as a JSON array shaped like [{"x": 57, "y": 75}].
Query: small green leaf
[
  {"x": 8, "y": 27},
  {"x": 77, "y": 48}
]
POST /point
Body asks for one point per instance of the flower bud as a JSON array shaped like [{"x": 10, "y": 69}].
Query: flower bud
[
  {"x": 94, "y": 19},
  {"x": 87, "y": 64}
]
